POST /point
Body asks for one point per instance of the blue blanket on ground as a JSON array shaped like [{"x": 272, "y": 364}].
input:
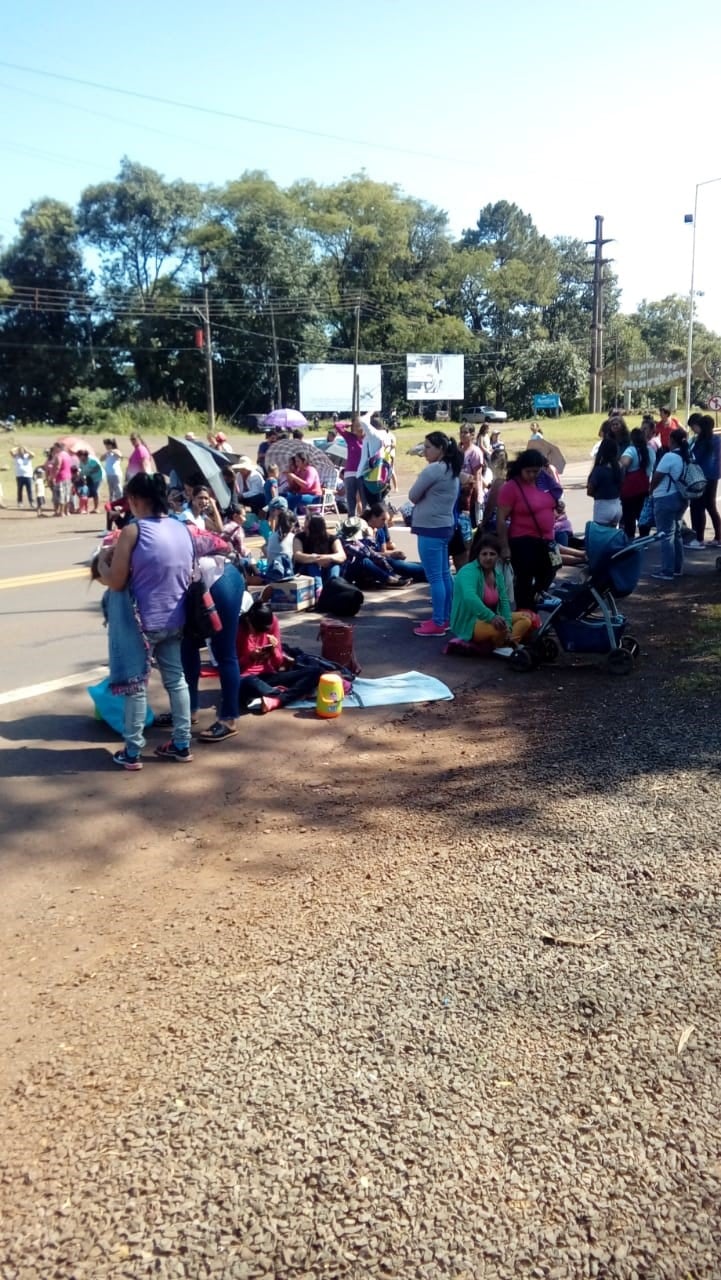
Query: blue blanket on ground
[{"x": 387, "y": 691}]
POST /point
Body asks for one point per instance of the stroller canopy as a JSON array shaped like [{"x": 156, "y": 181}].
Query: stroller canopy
[{"x": 613, "y": 559}]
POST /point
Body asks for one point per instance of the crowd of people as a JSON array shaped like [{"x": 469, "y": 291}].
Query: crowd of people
[
  {"x": 639, "y": 482},
  {"x": 491, "y": 534},
  {"x": 73, "y": 477}
]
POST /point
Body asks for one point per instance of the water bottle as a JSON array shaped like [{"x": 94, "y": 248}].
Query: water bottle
[
  {"x": 212, "y": 612},
  {"x": 329, "y": 702}
]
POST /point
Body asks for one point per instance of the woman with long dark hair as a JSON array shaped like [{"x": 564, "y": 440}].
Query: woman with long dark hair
[
  {"x": 706, "y": 451},
  {"x": 636, "y": 463},
  {"x": 434, "y": 495},
  {"x": 669, "y": 503},
  {"x": 525, "y": 521},
  {"x": 604, "y": 484},
  {"x": 154, "y": 558},
  {"x": 317, "y": 552}
]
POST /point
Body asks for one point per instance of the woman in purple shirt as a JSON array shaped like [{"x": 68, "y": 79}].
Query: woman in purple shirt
[
  {"x": 354, "y": 437},
  {"x": 154, "y": 558}
]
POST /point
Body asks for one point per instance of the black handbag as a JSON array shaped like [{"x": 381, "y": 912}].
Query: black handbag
[
  {"x": 198, "y": 626},
  {"x": 340, "y": 598}
]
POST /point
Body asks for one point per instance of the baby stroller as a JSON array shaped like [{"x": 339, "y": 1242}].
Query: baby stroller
[{"x": 582, "y": 616}]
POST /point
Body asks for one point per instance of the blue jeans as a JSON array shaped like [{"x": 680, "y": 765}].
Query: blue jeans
[
  {"x": 166, "y": 651},
  {"x": 408, "y": 569},
  {"x": 668, "y": 512},
  {"x": 298, "y": 501},
  {"x": 322, "y": 575},
  {"x": 227, "y": 594},
  {"x": 434, "y": 559},
  {"x": 354, "y": 490}
]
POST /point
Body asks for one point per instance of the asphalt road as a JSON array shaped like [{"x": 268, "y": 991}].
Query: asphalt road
[{"x": 50, "y": 613}]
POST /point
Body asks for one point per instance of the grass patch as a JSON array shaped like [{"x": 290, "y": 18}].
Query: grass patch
[
  {"x": 703, "y": 653},
  {"x": 575, "y": 436}
]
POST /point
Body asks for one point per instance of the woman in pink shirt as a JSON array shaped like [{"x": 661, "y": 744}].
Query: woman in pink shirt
[
  {"x": 304, "y": 486},
  {"x": 524, "y": 525},
  {"x": 140, "y": 459}
]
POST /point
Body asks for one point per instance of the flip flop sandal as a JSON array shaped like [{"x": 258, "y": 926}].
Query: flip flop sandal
[{"x": 217, "y": 732}]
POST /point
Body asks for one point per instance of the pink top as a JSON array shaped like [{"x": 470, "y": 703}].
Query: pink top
[
  {"x": 137, "y": 460},
  {"x": 63, "y": 467},
  {"x": 308, "y": 482},
  {"x": 354, "y": 446},
  {"x": 525, "y": 502},
  {"x": 254, "y": 658},
  {"x": 490, "y": 595}
]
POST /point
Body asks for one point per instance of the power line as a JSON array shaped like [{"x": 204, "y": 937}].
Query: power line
[{"x": 230, "y": 115}]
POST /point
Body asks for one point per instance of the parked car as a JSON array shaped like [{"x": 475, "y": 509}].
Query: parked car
[
  {"x": 252, "y": 421},
  {"x": 484, "y": 413}
]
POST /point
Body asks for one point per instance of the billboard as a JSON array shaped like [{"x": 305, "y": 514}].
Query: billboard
[
  {"x": 328, "y": 388},
  {"x": 431, "y": 377},
  {"x": 653, "y": 373}
]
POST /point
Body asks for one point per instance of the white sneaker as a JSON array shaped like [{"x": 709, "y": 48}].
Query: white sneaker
[{"x": 694, "y": 546}]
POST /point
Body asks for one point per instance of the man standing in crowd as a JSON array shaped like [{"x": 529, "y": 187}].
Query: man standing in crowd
[{"x": 23, "y": 464}]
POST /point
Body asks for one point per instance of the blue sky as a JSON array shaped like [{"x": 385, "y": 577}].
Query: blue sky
[{"x": 513, "y": 99}]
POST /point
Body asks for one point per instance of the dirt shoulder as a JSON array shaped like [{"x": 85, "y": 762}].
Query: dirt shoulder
[{"x": 431, "y": 993}]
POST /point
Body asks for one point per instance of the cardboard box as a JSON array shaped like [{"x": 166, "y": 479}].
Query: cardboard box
[{"x": 294, "y": 595}]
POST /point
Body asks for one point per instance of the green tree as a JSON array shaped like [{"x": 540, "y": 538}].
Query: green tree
[
  {"x": 518, "y": 280},
  {"x": 45, "y": 333},
  {"x": 547, "y": 366},
  {"x": 264, "y": 281},
  {"x": 141, "y": 227},
  {"x": 389, "y": 254}
]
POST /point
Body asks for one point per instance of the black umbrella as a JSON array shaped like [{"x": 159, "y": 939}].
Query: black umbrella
[{"x": 188, "y": 458}]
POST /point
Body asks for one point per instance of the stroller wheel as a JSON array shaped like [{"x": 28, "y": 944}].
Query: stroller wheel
[
  {"x": 619, "y": 662},
  {"x": 522, "y": 660},
  {"x": 547, "y": 649},
  {"x": 630, "y": 645}
]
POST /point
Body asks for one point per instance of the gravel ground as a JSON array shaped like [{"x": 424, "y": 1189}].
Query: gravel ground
[{"x": 474, "y": 1033}]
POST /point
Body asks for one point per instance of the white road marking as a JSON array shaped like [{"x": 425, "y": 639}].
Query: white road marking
[
  {"x": 18, "y": 546},
  {"x": 52, "y": 686},
  {"x": 96, "y": 673}
]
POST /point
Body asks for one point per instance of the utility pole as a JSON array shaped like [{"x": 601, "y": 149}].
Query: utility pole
[
  {"x": 207, "y": 345},
  {"x": 276, "y": 366},
  {"x": 595, "y": 395},
  {"x": 356, "y": 348}
]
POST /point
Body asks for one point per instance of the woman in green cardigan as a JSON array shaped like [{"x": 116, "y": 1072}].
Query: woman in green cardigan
[{"x": 481, "y": 610}]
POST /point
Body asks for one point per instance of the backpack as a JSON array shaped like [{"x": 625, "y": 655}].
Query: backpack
[
  {"x": 692, "y": 483},
  {"x": 377, "y": 476},
  {"x": 340, "y": 598}
]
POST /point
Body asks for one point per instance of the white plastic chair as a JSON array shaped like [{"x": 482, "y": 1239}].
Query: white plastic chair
[{"x": 328, "y": 505}]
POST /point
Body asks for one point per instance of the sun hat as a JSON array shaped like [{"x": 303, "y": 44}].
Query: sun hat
[
  {"x": 278, "y": 504},
  {"x": 351, "y": 527}
]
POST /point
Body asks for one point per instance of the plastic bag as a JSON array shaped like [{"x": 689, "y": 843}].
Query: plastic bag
[{"x": 110, "y": 707}]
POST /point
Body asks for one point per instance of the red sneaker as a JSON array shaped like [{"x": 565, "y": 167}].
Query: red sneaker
[{"x": 430, "y": 628}]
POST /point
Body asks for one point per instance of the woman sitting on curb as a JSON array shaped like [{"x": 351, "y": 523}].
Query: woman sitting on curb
[{"x": 481, "y": 611}]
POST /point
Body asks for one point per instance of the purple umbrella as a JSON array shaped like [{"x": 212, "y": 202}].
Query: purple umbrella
[{"x": 285, "y": 419}]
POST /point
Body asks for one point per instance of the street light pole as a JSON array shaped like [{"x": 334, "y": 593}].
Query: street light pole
[{"x": 691, "y": 296}]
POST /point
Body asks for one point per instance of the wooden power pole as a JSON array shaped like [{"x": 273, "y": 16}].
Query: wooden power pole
[
  {"x": 276, "y": 366},
  {"x": 595, "y": 391}
]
